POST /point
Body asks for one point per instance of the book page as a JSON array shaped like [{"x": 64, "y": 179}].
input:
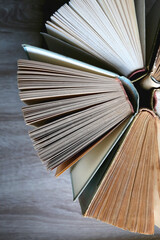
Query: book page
[
  {"x": 105, "y": 29},
  {"x": 64, "y": 48},
  {"x": 157, "y": 183},
  {"x": 71, "y": 109},
  {"x": 125, "y": 197}
]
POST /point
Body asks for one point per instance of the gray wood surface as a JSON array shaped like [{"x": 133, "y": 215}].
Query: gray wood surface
[{"x": 33, "y": 203}]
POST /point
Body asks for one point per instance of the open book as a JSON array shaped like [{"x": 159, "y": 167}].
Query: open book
[{"x": 94, "y": 100}]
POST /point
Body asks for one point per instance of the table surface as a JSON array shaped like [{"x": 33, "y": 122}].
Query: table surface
[{"x": 33, "y": 203}]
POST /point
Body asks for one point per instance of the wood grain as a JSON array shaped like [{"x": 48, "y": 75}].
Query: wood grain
[{"x": 33, "y": 203}]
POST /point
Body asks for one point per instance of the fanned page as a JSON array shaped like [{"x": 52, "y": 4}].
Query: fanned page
[
  {"x": 100, "y": 155},
  {"x": 57, "y": 45},
  {"x": 157, "y": 181},
  {"x": 125, "y": 196},
  {"x": 134, "y": 99},
  {"x": 106, "y": 29},
  {"x": 72, "y": 109}
]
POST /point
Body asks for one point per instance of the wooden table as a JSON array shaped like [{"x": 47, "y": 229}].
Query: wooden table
[{"x": 33, "y": 203}]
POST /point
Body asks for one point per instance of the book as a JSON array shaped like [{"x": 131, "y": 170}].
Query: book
[
  {"x": 125, "y": 195},
  {"x": 64, "y": 103},
  {"x": 120, "y": 34},
  {"x": 93, "y": 99}
]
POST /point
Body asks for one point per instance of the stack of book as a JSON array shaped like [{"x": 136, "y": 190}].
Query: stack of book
[{"x": 94, "y": 99}]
